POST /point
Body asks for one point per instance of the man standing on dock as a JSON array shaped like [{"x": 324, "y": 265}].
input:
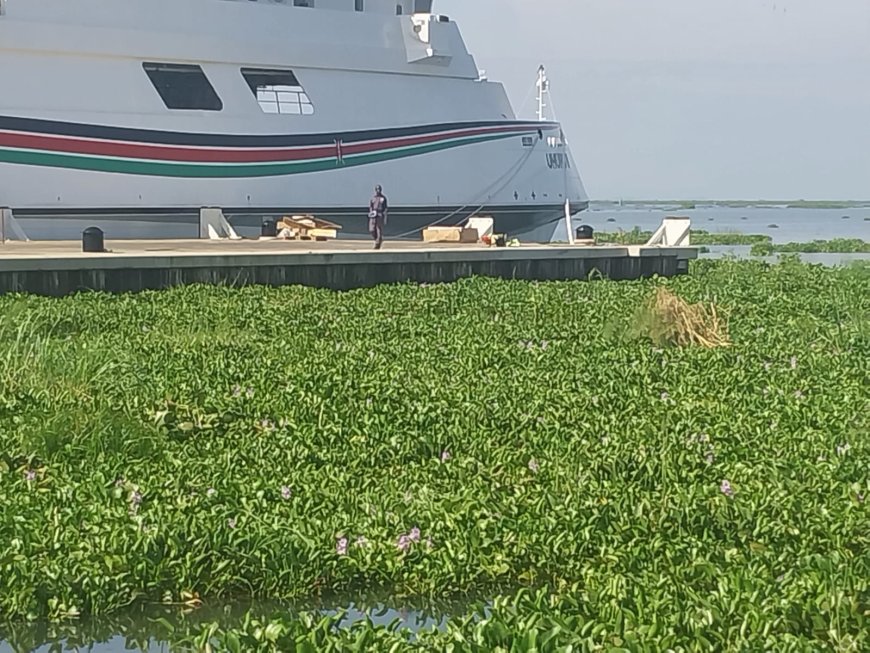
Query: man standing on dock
[{"x": 378, "y": 210}]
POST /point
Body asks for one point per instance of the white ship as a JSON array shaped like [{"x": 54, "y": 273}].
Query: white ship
[{"x": 132, "y": 110}]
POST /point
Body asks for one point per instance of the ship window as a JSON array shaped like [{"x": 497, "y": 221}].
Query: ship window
[
  {"x": 278, "y": 91},
  {"x": 399, "y": 10},
  {"x": 303, "y": 3},
  {"x": 183, "y": 86},
  {"x": 358, "y": 5}
]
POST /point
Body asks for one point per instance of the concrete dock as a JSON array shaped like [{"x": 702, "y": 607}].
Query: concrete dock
[{"x": 59, "y": 268}]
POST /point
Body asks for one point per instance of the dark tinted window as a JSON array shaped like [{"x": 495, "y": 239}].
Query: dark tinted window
[
  {"x": 183, "y": 86},
  {"x": 260, "y": 78}
]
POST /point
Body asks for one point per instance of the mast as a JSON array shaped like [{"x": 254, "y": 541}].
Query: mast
[{"x": 543, "y": 86}]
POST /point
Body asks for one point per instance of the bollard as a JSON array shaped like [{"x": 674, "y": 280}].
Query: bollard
[
  {"x": 92, "y": 240},
  {"x": 584, "y": 232},
  {"x": 269, "y": 229}
]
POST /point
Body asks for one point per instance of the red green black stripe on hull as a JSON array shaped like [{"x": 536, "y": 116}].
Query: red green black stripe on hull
[{"x": 65, "y": 145}]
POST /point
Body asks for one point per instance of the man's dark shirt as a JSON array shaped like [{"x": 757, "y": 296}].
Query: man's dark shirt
[{"x": 378, "y": 204}]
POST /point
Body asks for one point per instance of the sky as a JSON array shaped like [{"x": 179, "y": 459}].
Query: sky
[{"x": 692, "y": 99}]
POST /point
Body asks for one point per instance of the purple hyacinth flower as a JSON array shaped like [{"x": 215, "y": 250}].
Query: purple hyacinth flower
[
  {"x": 29, "y": 475},
  {"x": 249, "y": 393},
  {"x": 843, "y": 448},
  {"x": 231, "y": 522},
  {"x": 793, "y": 362},
  {"x": 534, "y": 466},
  {"x": 286, "y": 493},
  {"x": 210, "y": 492},
  {"x": 665, "y": 396},
  {"x": 135, "y": 498},
  {"x": 710, "y": 457},
  {"x": 341, "y": 546},
  {"x": 414, "y": 535},
  {"x": 445, "y": 456},
  {"x": 404, "y": 543},
  {"x": 726, "y": 489},
  {"x": 237, "y": 391}
]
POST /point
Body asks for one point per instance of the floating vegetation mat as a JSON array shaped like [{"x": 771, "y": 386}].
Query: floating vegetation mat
[{"x": 486, "y": 438}]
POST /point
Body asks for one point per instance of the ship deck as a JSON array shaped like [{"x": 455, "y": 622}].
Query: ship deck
[{"x": 61, "y": 267}]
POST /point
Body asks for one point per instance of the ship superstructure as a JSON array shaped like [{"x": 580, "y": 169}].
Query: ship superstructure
[{"x": 116, "y": 109}]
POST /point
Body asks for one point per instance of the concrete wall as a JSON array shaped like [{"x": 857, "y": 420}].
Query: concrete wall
[{"x": 339, "y": 276}]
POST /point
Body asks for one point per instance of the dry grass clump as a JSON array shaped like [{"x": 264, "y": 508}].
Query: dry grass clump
[{"x": 667, "y": 319}]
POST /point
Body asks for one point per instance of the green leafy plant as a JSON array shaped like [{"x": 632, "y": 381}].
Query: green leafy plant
[{"x": 484, "y": 438}]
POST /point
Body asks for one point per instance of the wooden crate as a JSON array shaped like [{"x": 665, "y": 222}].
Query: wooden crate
[
  {"x": 450, "y": 235},
  {"x": 307, "y": 227}
]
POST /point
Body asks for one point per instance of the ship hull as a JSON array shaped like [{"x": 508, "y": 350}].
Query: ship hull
[
  {"x": 156, "y": 223},
  {"x": 85, "y": 134}
]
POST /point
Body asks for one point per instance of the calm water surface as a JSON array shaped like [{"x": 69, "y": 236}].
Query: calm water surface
[
  {"x": 141, "y": 631},
  {"x": 791, "y": 225}
]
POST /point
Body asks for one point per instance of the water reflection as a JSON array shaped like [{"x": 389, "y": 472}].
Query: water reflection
[{"x": 154, "y": 629}]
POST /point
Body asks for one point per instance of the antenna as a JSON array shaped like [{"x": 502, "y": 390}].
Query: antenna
[{"x": 543, "y": 86}]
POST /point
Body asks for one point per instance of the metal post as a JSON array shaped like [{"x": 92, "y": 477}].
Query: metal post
[
  {"x": 568, "y": 222},
  {"x": 543, "y": 86}
]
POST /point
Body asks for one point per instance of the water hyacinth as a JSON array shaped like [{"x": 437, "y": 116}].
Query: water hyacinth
[
  {"x": 482, "y": 468},
  {"x": 30, "y": 475},
  {"x": 403, "y": 543}
]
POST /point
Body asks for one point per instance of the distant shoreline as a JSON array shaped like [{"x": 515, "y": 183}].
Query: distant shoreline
[{"x": 741, "y": 204}]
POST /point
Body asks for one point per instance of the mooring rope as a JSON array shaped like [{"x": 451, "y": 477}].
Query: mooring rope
[{"x": 515, "y": 169}]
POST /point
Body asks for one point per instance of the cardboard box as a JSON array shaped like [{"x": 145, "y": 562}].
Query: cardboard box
[{"x": 450, "y": 235}]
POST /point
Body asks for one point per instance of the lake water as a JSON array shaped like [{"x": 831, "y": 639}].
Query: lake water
[
  {"x": 141, "y": 631},
  {"x": 791, "y": 224}
]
